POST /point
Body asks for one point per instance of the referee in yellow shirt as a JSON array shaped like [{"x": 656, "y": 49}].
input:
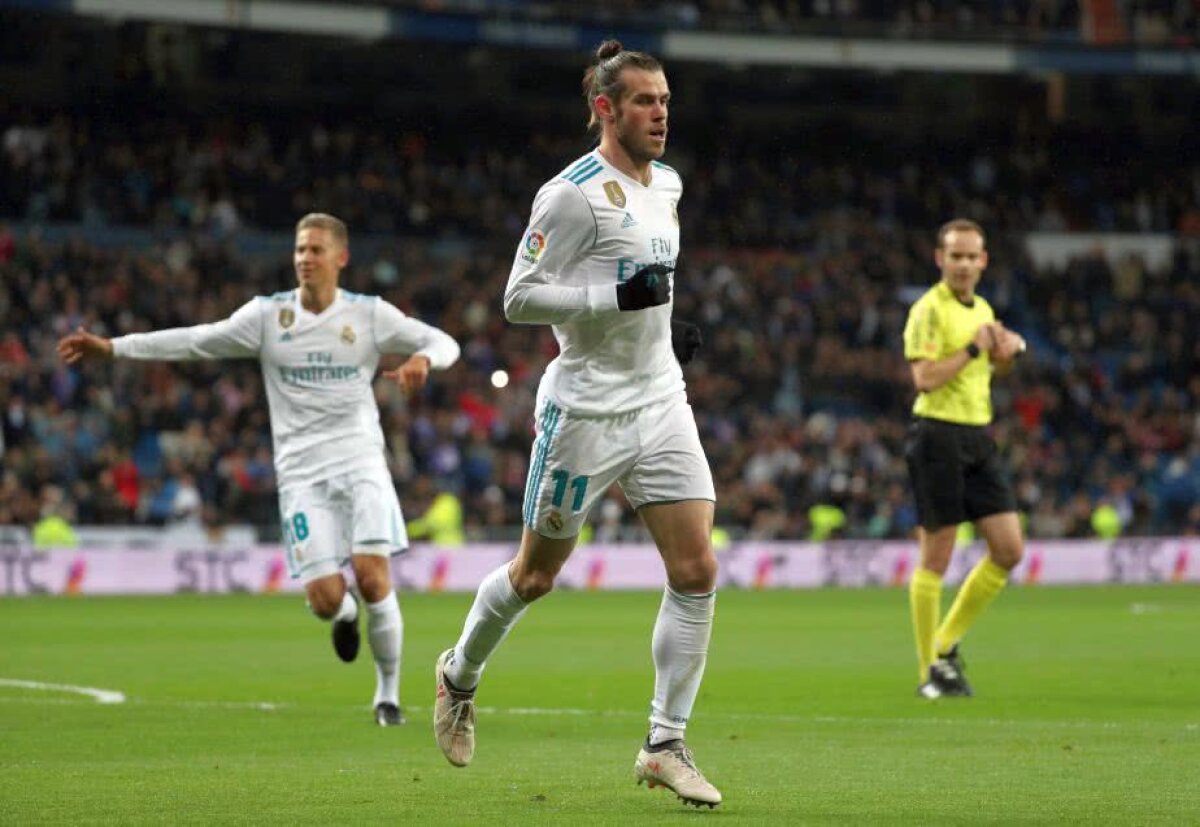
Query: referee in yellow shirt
[{"x": 953, "y": 343}]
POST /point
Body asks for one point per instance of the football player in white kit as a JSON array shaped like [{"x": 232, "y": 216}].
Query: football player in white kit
[
  {"x": 319, "y": 347},
  {"x": 596, "y": 264}
]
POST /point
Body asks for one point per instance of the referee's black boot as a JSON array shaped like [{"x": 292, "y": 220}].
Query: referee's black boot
[{"x": 948, "y": 671}]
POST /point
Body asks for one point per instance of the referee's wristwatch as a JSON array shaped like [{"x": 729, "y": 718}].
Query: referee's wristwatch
[{"x": 972, "y": 350}]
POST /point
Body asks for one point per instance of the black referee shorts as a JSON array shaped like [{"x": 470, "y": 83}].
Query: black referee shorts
[{"x": 956, "y": 473}]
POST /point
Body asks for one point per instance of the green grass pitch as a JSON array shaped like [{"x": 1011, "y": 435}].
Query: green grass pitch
[{"x": 1087, "y": 712}]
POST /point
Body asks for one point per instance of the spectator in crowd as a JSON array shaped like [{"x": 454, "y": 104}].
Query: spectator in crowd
[{"x": 54, "y": 529}]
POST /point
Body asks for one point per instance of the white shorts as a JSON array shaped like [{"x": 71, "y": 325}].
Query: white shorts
[
  {"x": 325, "y": 522},
  {"x": 654, "y": 453}
]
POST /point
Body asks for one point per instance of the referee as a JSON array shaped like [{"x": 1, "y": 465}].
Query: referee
[{"x": 954, "y": 343}]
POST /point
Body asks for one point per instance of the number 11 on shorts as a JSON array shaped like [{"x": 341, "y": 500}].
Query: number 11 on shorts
[{"x": 562, "y": 478}]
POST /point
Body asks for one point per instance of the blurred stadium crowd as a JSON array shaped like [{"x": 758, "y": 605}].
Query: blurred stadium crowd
[
  {"x": 781, "y": 190},
  {"x": 1136, "y": 21},
  {"x": 799, "y": 274},
  {"x": 807, "y": 229}
]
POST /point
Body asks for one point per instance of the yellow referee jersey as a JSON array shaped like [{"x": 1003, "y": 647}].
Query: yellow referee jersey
[{"x": 939, "y": 325}]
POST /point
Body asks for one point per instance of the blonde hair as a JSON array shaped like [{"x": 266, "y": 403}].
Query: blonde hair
[
  {"x": 324, "y": 221},
  {"x": 604, "y": 76},
  {"x": 959, "y": 225}
]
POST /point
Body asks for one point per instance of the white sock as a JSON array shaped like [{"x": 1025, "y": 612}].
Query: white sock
[
  {"x": 349, "y": 608},
  {"x": 496, "y": 609},
  {"x": 385, "y": 632},
  {"x": 680, "y": 647},
  {"x": 662, "y": 734}
]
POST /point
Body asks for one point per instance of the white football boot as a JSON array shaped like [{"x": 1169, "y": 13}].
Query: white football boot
[
  {"x": 453, "y": 718},
  {"x": 670, "y": 765}
]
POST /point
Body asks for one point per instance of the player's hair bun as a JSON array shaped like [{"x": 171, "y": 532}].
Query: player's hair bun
[{"x": 609, "y": 48}]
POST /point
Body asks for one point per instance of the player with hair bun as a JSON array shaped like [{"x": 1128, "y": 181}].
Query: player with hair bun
[{"x": 597, "y": 263}]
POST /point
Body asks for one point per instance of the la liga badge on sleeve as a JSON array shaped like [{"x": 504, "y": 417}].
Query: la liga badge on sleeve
[{"x": 532, "y": 245}]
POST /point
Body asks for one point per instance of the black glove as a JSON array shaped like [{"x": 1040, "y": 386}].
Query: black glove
[
  {"x": 648, "y": 287},
  {"x": 685, "y": 340}
]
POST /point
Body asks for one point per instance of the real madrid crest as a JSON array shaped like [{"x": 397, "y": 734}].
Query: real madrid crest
[
  {"x": 616, "y": 196},
  {"x": 348, "y": 335},
  {"x": 675, "y": 212},
  {"x": 554, "y": 521},
  {"x": 286, "y": 317}
]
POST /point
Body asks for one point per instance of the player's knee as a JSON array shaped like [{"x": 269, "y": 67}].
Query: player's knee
[
  {"x": 1008, "y": 556},
  {"x": 323, "y": 604},
  {"x": 937, "y": 563},
  {"x": 374, "y": 586},
  {"x": 695, "y": 576},
  {"x": 936, "y": 549},
  {"x": 532, "y": 584}
]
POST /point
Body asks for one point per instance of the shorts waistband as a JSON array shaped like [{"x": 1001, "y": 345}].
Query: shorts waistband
[
  {"x": 628, "y": 415},
  {"x": 948, "y": 424}
]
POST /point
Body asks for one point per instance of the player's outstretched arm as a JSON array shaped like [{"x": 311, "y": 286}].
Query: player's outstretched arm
[
  {"x": 83, "y": 345},
  {"x": 237, "y": 336}
]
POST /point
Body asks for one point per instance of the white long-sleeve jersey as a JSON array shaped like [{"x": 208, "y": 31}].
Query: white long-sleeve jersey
[
  {"x": 317, "y": 368},
  {"x": 592, "y": 227}
]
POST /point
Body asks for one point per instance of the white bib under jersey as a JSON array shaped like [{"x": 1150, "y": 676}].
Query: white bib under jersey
[
  {"x": 317, "y": 368},
  {"x": 592, "y": 227}
]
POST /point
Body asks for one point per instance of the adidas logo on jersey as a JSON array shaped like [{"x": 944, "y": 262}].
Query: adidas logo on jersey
[
  {"x": 629, "y": 221},
  {"x": 286, "y": 337}
]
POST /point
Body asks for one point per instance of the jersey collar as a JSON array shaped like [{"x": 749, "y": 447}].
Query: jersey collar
[
  {"x": 948, "y": 295},
  {"x": 301, "y": 311},
  {"x": 633, "y": 182}
]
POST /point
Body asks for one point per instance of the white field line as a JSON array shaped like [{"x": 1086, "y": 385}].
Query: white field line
[
  {"x": 103, "y": 696},
  {"x": 823, "y": 719},
  {"x": 568, "y": 712},
  {"x": 262, "y": 706}
]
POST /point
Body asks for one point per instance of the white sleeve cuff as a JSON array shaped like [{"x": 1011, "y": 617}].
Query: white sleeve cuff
[{"x": 602, "y": 298}]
